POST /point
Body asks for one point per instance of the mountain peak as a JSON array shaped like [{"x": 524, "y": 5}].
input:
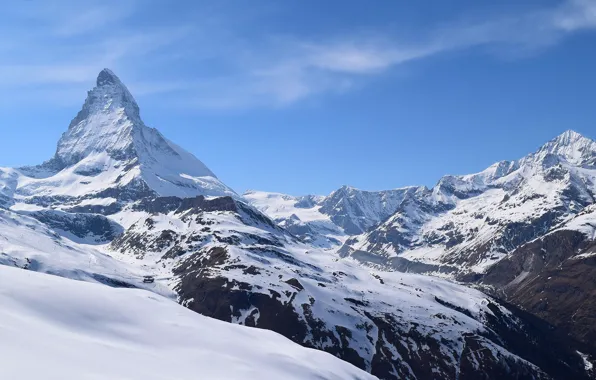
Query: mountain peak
[
  {"x": 109, "y": 137},
  {"x": 569, "y": 146},
  {"x": 570, "y": 137},
  {"x": 107, "y": 77},
  {"x": 111, "y": 94}
]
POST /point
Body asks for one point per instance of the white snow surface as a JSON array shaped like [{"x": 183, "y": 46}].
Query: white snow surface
[
  {"x": 301, "y": 211},
  {"x": 28, "y": 243},
  {"x": 54, "y": 328}
]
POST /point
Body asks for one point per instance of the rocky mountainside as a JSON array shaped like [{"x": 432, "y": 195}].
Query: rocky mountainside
[
  {"x": 119, "y": 202},
  {"x": 553, "y": 276},
  {"x": 525, "y": 229}
]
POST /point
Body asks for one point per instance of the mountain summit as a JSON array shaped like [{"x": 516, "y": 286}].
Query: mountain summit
[
  {"x": 108, "y": 149},
  {"x": 570, "y": 146}
]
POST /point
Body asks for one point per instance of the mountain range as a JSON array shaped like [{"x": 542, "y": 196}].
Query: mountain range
[{"x": 485, "y": 275}]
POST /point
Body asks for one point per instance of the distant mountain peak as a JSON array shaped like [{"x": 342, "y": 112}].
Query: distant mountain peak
[
  {"x": 571, "y": 146},
  {"x": 109, "y": 94},
  {"x": 569, "y": 137}
]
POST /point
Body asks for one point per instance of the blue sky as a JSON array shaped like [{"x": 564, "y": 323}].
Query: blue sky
[{"x": 303, "y": 96}]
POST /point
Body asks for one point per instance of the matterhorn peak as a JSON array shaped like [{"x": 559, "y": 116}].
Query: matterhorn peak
[
  {"x": 109, "y": 94},
  {"x": 109, "y": 141},
  {"x": 107, "y": 77}
]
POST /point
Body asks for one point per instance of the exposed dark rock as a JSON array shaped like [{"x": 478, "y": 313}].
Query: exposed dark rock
[
  {"x": 85, "y": 226},
  {"x": 546, "y": 278}
]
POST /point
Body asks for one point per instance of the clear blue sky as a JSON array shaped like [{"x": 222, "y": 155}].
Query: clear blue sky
[{"x": 303, "y": 96}]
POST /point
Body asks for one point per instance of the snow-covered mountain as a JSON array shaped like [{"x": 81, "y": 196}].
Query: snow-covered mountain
[
  {"x": 118, "y": 202},
  {"x": 54, "y": 328},
  {"x": 327, "y": 221},
  {"x": 107, "y": 156},
  {"x": 467, "y": 223}
]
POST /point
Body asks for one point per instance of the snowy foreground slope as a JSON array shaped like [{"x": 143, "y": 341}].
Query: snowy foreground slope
[
  {"x": 118, "y": 201},
  {"x": 54, "y": 328}
]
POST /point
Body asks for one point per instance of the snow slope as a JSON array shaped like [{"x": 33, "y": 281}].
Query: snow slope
[
  {"x": 301, "y": 216},
  {"x": 54, "y": 328},
  {"x": 27, "y": 243}
]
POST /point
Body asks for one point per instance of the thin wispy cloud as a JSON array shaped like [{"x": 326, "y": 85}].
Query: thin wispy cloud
[
  {"x": 309, "y": 68},
  {"x": 68, "y": 46}
]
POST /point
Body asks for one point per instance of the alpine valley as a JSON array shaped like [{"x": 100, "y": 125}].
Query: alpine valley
[{"x": 484, "y": 276}]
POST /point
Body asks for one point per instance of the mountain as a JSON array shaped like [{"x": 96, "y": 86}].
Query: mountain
[
  {"x": 109, "y": 156},
  {"x": 467, "y": 223},
  {"x": 75, "y": 330},
  {"x": 327, "y": 221},
  {"x": 119, "y": 202}
]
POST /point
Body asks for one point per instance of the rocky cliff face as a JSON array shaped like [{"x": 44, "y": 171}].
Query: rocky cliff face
[{"x": 327, "y": 221}]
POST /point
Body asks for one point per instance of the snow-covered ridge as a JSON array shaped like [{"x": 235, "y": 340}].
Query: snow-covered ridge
[{"x": 327, "y": 221}]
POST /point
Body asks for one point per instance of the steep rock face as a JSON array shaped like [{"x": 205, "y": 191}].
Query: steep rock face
[
  {"x": 470, "y": 222},
  {"x": 8, "y": 184},
  {"x": 553, "y": 276},
  {"x": 356, "y": 211},
  {"x": 84, "y": 227}
]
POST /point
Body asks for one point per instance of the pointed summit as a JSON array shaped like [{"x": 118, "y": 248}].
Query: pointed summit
[
  {"x": 569, "y": 146},
  {"x": 109, "y": 94},
  {"x": 109, "y": 140},
  {"x": 107, "y": 77},
  {"x": 570, "y": 137}
]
